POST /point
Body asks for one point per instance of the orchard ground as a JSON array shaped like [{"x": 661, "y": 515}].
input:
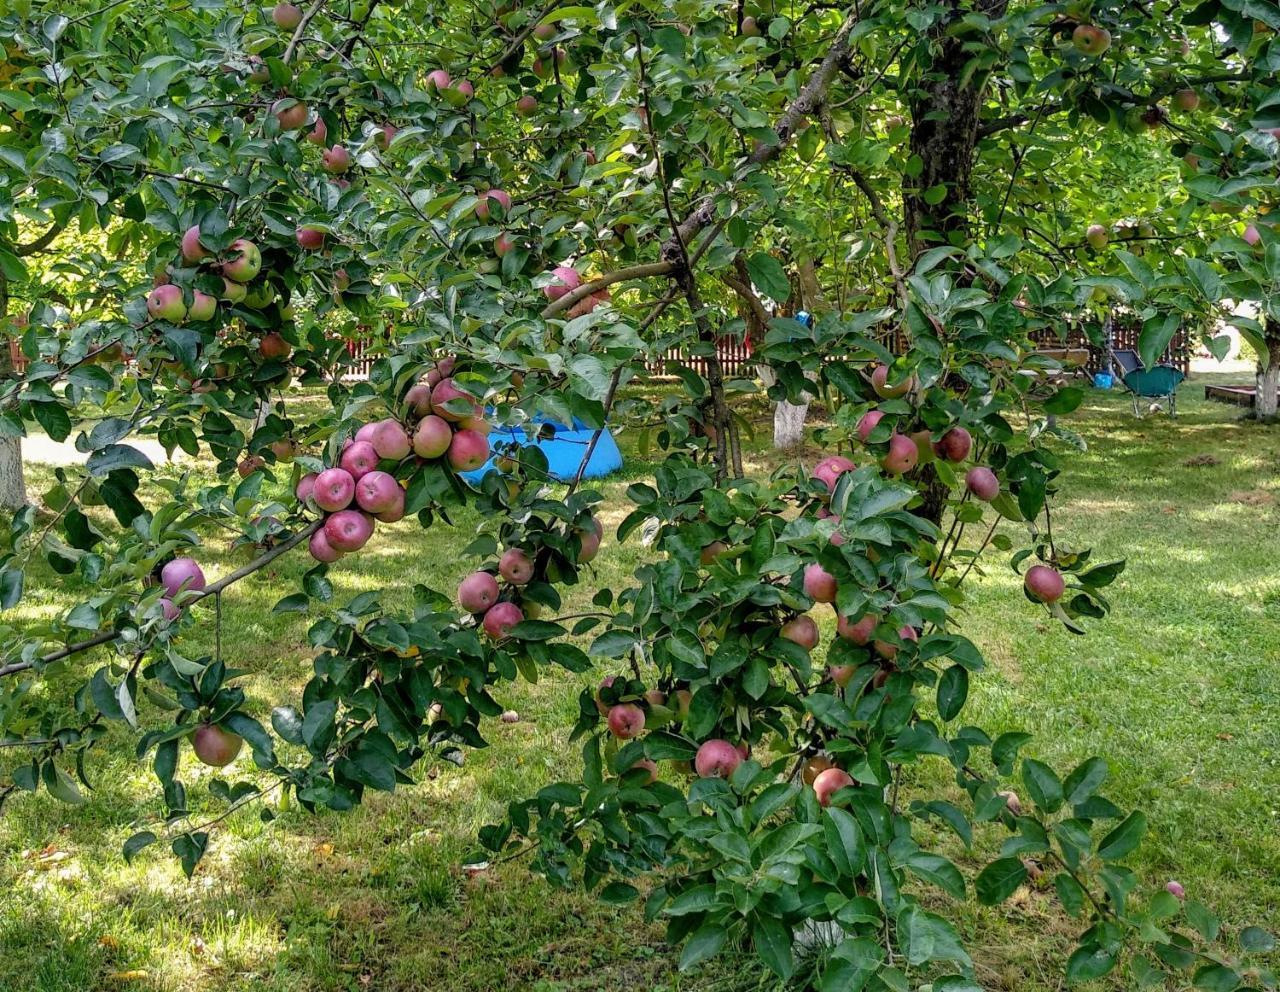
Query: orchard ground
[{"x": 1179, "y": 686}]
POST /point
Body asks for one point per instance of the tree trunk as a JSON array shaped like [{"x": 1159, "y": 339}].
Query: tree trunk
[
  {"x": 945, "y": 112},
  {"x": 789, "y": 418},
  {"x": 13, "y": 485},
  {"x": 1268, "y": 379}
]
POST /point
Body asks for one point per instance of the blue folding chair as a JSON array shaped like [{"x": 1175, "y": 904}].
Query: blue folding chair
[{"x": 1161, "y": 382}]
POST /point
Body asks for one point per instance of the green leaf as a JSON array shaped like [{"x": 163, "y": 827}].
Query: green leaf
[
  {"x": 1089, "y": 962},
  {"x": 953, "y": 690},
  {"x": 705, "y": 943},
  {"x": 1070, "y": 893},
  {"x": 1202, "y": 918},
  {"x": 618, "y": 893},
  {"x": 769, "y": 276},
  {"x": 60, "y": 785},
  {"x": 1255, "y": 940},
  {"x": 1042, "y": 784},
  {"x": 999, "y": 880},
  {"x": 136, "y": 843},
  {"x": 11, "y": 582},
  {"x": 844, "y": 839},
  {"x": 1085, "y": 780},
  {"x": 773, "y": 944},
  {"x": 190, "y": 849},
  {"x": 1216, "y": 978},
  {"x": 115, "y": 456},
  {"x": 295, "y": 603},
  {"x": 926, "y": 937},
  {"x": 53, "y": 418},
  {"x": 1124, "y": 839}
]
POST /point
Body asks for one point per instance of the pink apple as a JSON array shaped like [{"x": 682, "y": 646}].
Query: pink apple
[
  {"x": 468, "y": 451},
  {"x": 590, "y": 538},
  {"x": 902, "y": 455},
  {"x": 334, "y": 489},
  {"x": 477, "y": 592},
  {"x": 829, "y": 782},
  {"x": 181, "y": 574},
  {"x": 565, "y": 279},
  {"x": 867, "y": 423},
  {"x": 516, "y": 567},
  {"x": 498, "y": 196},
  {"x": 982, "y": 482},
  {"x": 389, "y": 440},
  {"x": 419, "y": 399},
  {"x": 168, "y": 609},
  {"x": 306, "y": 485},
  {"x": 348, "y": 530},
  {"x": 309, "y": 238},
  {"x": 717, "y": 759},
  {"x": 890, "y": 651},
  {"x": 502, "y": 244},
  {"x": 626, "y": 720},
  {"x": 335, "y": 160},
  {"x": 446, "y": 391},
  {"x": 319, "y": 133},
  {"x": 192, "y": 250},
  {"x": 377, "y": 492},
  {"x": 359, "y": 458},
  {"x": 830, "y": 469},
  {"x": 432, "y": 438},
  {"x": 286, "y": 15},
  {"x": 395, "y": 511},
  {"x": 1044, "y": 583},
  {"x": 290, "y": 114},
  {"x": 500, "y": 618},
  {"x": 819, "y": 584},
  {"x": 437, "y": 80},
  {"x": 859, "y": 633},
  {"x": 802, "y": 630},
  {"x": 364, "y": 433},
  {"x": 880, "y": 383},
  {"x": 320, "y": 548},
  {"x": 165, "y": 303}
]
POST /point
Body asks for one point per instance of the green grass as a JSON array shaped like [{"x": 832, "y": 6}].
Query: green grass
[{"x": 1178, "y": 688}]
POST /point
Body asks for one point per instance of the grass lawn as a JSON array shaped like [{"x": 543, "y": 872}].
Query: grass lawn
[{"x": 1180, "y": 688}]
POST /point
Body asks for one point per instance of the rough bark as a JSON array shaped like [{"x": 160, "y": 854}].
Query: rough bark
[
  {"x": 1268, "y": 376},
  {"x": 945, "y": 111},
  {"x": 13, "y": 485}
]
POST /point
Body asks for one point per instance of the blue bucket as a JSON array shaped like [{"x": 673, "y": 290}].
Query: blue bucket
[{"x": 1103, "y": 380}]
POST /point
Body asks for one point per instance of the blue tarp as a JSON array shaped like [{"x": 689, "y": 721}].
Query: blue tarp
[{"x": 563, "y": 452}]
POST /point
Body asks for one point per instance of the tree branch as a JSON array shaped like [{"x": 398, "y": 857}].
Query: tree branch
[
  {"x": 644, "y": 271},
  {"x": 107, "y": 636},
  {"x": 42, "y": 242}
]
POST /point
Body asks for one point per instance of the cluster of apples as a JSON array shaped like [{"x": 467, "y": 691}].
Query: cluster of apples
[
  {"x": 497, "y": 607},
  {"x": 179, "y": 578},
  {"x": 443, "y": 422},
  {"x": 715, "y": 758},
  {"x": 238, "y": 266}
]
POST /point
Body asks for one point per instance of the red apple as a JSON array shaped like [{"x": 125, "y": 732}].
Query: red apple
[
  {"x": 273, "y": 346},
  {"x": 883, "y": 389},
  {"x": 203, "y": 306},
  {"x": 334, "y": 489},
  {"x": 498, "y": 196},
  {"x": 801, "y": 630},
  {"x": 819, "y": 584},
  {"x": 954, "y": 445},
  {"x": 902, "y": 456},
  {"x": 214, "y": 746},
  {"x": 348, "y": 530},
  {"x": 565, "y": 280},
  {"x": 867, "y": 423},
  {"x": 717, "y": 759},
  {"x": 516, "y": 567},
  {"x": 290, "y": 114},
  {"x": 166, "y": 303},
  {"x": 478, "y": 592},
  {"x": 1090, "y": 39},
  {"x": 389, "y": 440},
  {"x": 306, "y": 485},
  {"x": 890, "y": 651},
  {"x": 192, "y": 250},
  {"x": 859, "y": 633},
  {"x": 244, "y": 261},
  {"x": 335, "y": 160},
  {"x": 286, "y": 15},
  {"x": 309, "y": 238},
  {"x": 1044, "y": 583},
  {"x": 827, "y": 783},
  {"x": 500, "y": 618},
  {"x": 181, "y": 574},
  {"x": 419, "y": 399},
  {"x": 626, "y": 720}
]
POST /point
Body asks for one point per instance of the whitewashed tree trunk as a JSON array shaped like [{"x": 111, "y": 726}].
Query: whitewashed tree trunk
[
  {"x": 1268, "y": 383},
  {"x": 788, "y": 424},
  {"x": 1268, "y": 378},
  {"x": 13, "y": 485}
]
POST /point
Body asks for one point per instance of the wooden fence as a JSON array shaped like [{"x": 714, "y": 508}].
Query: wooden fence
[{"x": 736, "y": 360}]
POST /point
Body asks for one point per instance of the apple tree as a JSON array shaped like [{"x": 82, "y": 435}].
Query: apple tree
[{"x": 521, "y": 208}]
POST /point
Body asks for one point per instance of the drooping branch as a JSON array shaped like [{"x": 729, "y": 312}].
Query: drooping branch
[
  {"x": 42, "y": 242},
  {"x": 645, "y": 271},
  {"x": 108, "y": 636}
]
